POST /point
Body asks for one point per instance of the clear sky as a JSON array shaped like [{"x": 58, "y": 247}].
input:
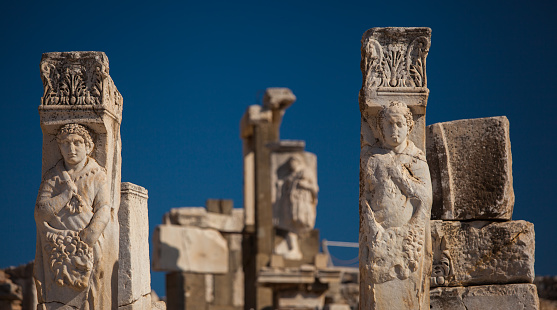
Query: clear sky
[{"x": 188, "y": 70}]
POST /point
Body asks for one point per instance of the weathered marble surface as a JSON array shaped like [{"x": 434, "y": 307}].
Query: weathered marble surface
[
  {"x": 482, "y": 252},
  {"x": 395, "y": 244},
  {"x": 134, "y": 270},
  {"x": 79, "y": 196},
  {"x": 493, "y": 297},
  {"x": 471, "y": 169},
  {"x": 189, "y": 249},
  {"x": 395, "y": 186}
]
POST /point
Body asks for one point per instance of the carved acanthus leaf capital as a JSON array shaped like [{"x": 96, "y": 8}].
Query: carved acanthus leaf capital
[
  {"x": 394, "y": 61},
  {"x": 78, "y": 79}
]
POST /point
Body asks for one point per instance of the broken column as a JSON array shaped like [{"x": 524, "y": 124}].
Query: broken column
[
  {"x": 480, "y": 256},
  {"x": 134, "y": 270},
  {"x": 78, "y": 201},
  {"x": 395, "y": 185}
]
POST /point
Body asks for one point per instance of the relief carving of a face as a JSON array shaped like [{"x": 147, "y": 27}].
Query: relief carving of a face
[
  {"x": 395, "y": 129},
  {"x": 73, "y": 148}
]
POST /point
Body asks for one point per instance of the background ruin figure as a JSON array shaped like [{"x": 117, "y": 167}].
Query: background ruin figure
[
  {"x": 297, "y": 206},
  {"x": 395, "y": 226},
  {"x": 72, "y": 210}
]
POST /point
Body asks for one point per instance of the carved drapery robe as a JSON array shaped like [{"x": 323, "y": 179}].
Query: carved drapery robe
[
  {"x": 395, "y": 228},
  {"x": 298, "y": 202},
  {"x": 67, "y": 270}
]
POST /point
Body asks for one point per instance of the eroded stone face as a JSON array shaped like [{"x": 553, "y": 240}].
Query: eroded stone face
[
  {"x": 496, "y": 297},
  {"x": 480, "y": 252},
  {"x": 471, "y": 169}
]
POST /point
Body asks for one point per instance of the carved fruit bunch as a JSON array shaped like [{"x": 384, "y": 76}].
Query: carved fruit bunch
[
  {"x": 395, "y": 253},
  {"x": 71, "y": 259}
]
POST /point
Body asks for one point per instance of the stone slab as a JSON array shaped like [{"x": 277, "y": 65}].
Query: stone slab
[
  {"x": 471, "y": 169},
  {"x": 481, "y": 252},
  {"x": 134, "y": 271},
  {"x": 189, "y": 249},
  {"x": 185, "y": 291},
  {"x": 493, "y": 297},
  {"x": 199, "y": 217}
]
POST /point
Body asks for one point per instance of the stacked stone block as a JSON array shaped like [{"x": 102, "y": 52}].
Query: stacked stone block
[
  {"x": 480, "y": 256},
  {"x": 201, "y": 249}
]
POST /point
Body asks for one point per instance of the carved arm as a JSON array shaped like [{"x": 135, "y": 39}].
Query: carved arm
[{"x": 48, "y": 205}]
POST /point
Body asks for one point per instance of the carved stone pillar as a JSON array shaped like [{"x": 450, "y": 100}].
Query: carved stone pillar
[
  {"x": 77, "y": 206},
  {"x": 395, "y": 186}
]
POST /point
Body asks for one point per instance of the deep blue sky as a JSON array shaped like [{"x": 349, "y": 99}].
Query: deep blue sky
[{"x": 188, "y": 70}]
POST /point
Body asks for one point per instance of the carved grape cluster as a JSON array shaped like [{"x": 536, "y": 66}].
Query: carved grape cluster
[
  {"x": 412, "y": 246},
  {"x": 71, "y": 259},
  {"x": 395, "y": 253}
]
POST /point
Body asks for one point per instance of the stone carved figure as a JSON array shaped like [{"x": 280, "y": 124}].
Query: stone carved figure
[
  {"x": 442, "y": 263},
  {"x": 395, "y": 245},
  {"x": 296, "y": 206},
  {"x": 72, "y": 210}
]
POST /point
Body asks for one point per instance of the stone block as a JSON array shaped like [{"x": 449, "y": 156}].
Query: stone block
[
  {"x": 321, "y": 260},
  {"x": 199, "y": 217},
  {"x": 471, "y": 169},
  {"x": 308, "y": 244},
  {"x": 189, "y": 249},
  {"x": 494, "y": 297},
  {"x": 481, "y": 252},
  {"x": 277, "y": 261},
  {"x": 185, "y": 291},
  {"x": 222, "y": 206},
  {"x": 134, "y": 269}
]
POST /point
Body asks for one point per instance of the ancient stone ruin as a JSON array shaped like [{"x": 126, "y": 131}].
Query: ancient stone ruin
[
  {"x": 92, "y": 230},
  {"x": 436, "y": 204},
  {"x": 395, "y": 186},
  {"x": 478, "y": 258}
]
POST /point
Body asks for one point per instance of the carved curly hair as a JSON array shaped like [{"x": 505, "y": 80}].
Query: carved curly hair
[
  {"x": 396, "y": 106},
  {"x": 78, "y": 130}
]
